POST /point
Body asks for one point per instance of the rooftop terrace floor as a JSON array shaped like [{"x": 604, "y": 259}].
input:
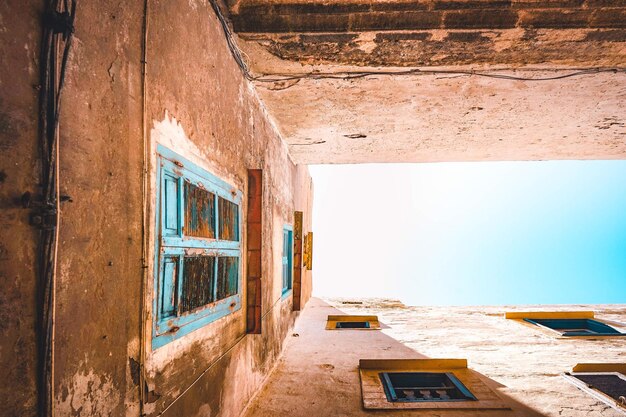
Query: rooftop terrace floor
[{"x": 318, "y": 372}]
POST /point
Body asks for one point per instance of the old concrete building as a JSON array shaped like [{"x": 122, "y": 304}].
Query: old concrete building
[
  {"x": 522, "y": 365},
  {"x": 155, "y": 245}
]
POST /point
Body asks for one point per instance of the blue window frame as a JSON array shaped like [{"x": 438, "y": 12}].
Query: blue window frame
[
  {"x": 197, "y": 276},
  {"x": 424, "y": 387},
  {"x": 352, "y": 325},
  {"x": 287, "y": 259},
  {"x": 577, "y": 327}
]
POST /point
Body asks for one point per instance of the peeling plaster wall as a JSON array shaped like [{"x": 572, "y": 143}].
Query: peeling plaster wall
[
  {"x": 201, "y": 107},
  {"x": 99, "y": 268},
  {"x": 19, "y": 48},
  {"x": 409, "y": 33},
  {"x": 516, "y": 48},
  {"x": 198, "y": 104}
]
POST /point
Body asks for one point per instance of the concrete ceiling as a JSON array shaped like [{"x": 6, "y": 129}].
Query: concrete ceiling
[{"x": 425, "y": 117}]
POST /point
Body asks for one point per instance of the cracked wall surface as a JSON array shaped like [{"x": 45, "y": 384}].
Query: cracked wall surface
[{"x": 447, "y": 117}]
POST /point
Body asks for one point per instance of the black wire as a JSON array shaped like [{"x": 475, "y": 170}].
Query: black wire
[
  {"x": 232, "y": 46},
  {"x": 58, "y": 26},
  {"x": 273, "y": 78}
]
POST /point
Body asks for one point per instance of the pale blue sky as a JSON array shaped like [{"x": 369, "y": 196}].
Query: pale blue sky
[{"x": 472, "y": 233}]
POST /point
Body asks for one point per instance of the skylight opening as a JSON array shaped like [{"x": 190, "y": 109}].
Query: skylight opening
[
  {"x": 577, "y": 327},
  {"x": 424, "y": 387}
]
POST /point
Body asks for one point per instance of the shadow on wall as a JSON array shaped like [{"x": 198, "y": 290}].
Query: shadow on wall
[{"x": 319, "y": 373}]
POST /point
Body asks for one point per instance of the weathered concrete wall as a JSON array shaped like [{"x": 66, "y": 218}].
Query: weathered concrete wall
[
  {"x": 99, "y": 269},
  {"x": 19, "y": 172},
  {"x": 520, "y": 363},
  {"x": 201, "y": 107},
  {"x": 199, "y": 104},
  {"x": 445, "y": 118},
  {"x": 517, "y": 47},
  {"x": 358, "y": 15},
  {"x": 320, "y": 64},
  {"x": 436, "y": 32}
]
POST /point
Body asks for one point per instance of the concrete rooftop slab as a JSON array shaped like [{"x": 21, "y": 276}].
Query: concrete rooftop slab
[
  {"x": 320, "y": 66},
  {"x": 447, "y": 117}
]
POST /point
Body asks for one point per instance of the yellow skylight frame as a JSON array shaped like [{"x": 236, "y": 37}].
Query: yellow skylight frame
[
  {"x": 331, "y": 323},
  {"x": 519, "y": 317},
  {"x": 597, "y": 368}
]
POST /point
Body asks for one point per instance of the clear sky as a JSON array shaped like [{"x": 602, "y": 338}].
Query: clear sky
[{"x": 488, "y": 233}]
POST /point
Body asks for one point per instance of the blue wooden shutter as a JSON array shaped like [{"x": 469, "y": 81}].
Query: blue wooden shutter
[
  {"x": 170, "y": 197},
  {"x": 285, "y": 260},
  {"x": 168, "y": 287}
]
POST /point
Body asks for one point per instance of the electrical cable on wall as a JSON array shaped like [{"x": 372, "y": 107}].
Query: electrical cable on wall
[
  {"x": 350, "y": 75},
  {"x": 57, "y": 31}
]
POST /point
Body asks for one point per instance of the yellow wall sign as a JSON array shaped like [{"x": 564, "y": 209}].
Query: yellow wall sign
[{"x": 308, "y": 251}]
